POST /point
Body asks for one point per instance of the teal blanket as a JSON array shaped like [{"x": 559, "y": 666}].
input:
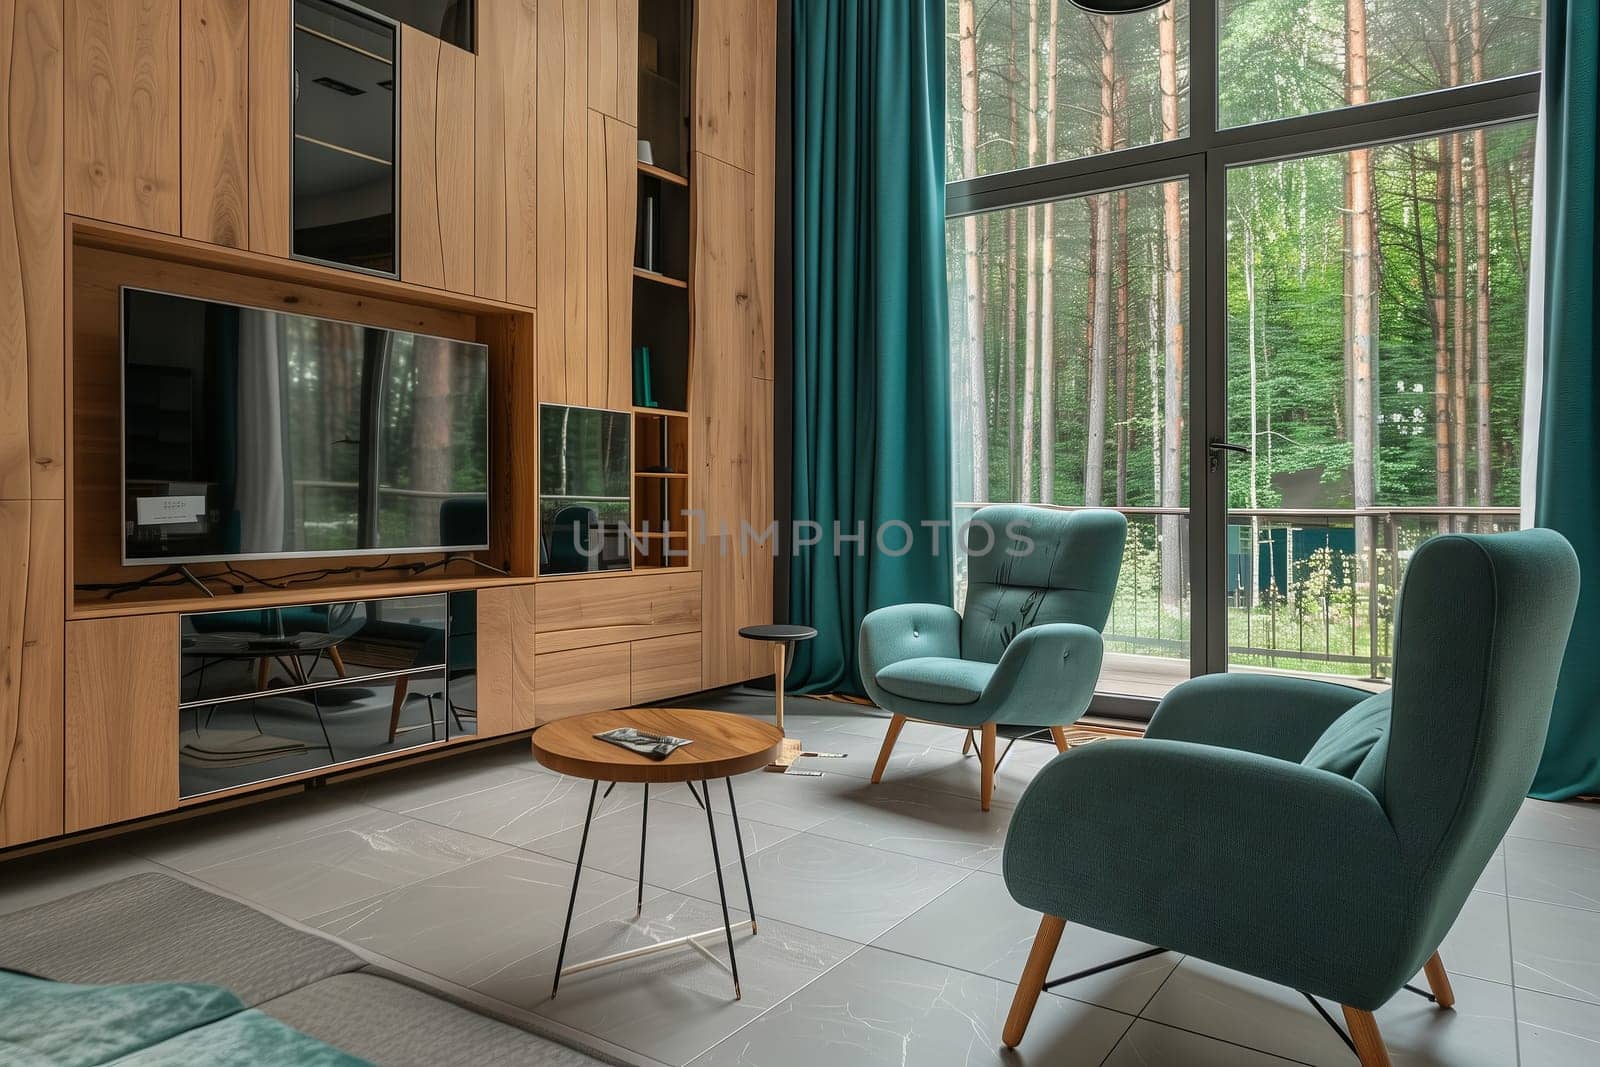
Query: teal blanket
[{"x": 54, "y": 1024}]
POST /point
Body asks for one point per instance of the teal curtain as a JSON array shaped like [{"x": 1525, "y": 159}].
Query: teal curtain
[
  {"x": 871, "y": 392},
  {"x": 1568, "y": 497}
]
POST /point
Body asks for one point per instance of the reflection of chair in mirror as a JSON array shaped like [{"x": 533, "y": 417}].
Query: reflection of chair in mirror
[
  {"x": 572, "y": 539},
  {"x": 281, "y": 635}
]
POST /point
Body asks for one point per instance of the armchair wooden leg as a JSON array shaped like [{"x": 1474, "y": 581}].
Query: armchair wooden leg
[
  {"x": 1364, "y": 1035},
  {"x": 966, "y": 746},
  {"x": 986, "y": 759},
  {"x": 1439, "y": 982},
  {"x": 895, "y": 725},
  {"x": 1034, "y": 975},
  {"x": 1058, "y": 734}
]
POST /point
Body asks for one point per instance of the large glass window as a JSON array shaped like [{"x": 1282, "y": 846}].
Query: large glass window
[
  {"x": 1359, "y": 387},
  {"x": 1282, "y": 58},
  {"x": 1035, "y": 81}
]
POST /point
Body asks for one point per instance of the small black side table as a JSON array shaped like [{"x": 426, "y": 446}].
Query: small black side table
[{"x": 782, "y": 637}]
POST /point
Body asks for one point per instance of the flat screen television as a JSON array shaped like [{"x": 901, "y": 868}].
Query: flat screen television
[{"x": 256, "y": 434}]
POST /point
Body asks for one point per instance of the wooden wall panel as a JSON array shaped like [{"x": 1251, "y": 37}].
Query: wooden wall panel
[
  {"x": 271, "y": 125},
  {"x": 666, "y": 667},
  {"x": 32, "y": 456},
  {"x": 562, "y": 199},
  {"x": 514, "y": 444},
  {"x": 31, "y": 667},
  {"x": 731, "y": 429},
  {"x": 764, "y": 171},
  {"x": 583, "y": 679},
  {"x": 613, "y": 209},
  {"x": 123, "y": 147},
  {"x": 507, "y": 108},
  {"x": 728, "y": 68},
  {"x": 216, "y": 121},
  {"x": 505, "y": 660},
  {"x": 121, "y": 719},
  {"x": 614, "y": 58},
  {"x": 583, "y": 613},
  {"x": 437, "y": 215}
]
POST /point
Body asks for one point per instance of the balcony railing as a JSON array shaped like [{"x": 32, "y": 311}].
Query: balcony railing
[{"x": 1306, "y": 589}]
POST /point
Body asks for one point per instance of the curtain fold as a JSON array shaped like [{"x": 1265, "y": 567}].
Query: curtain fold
[
  {"x": 871, "y": 394},
  {"x": 1568, "y": 481}
]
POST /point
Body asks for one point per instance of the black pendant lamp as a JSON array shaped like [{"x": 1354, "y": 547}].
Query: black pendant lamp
[{"x": 1116, "y": 7}]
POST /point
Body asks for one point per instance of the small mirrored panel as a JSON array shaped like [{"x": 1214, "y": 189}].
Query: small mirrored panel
[
  {"x": 345, "y": 79},
  {"x": 277, "y": 691},
  {"x": 585, "y": 502}
]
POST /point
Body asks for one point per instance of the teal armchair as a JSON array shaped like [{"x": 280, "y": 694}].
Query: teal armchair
[
  {"x": 1026, "y": 652},
  {"x": 1308, "y": 833}
]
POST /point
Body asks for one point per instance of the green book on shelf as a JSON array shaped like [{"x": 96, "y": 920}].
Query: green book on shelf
[{"x": 643, "y": 394}]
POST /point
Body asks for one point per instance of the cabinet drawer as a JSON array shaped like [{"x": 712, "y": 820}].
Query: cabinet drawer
[
  {"x": 581, "y": 679},
  {"x": 666, "y": 667},
  {"x": 602, "y": 611}
]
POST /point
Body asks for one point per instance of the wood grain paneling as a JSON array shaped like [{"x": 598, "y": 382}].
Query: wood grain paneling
[
  {"x": 613, "y": 196},
  {"x": 506, "y": 661},
  {"x": 765, "y": 188},
  {"x": 614, "y": 58},
  {"x": 32, "y": 458},
  {"x": 121, "y": 719},
  {"x": 578, "y": 614},
  {"x": 562, "y": 179},
  {"x": 31, "y": 669},
  {"x": 514, "y": 463},
  {"x": 123, "y": 146},
  {"x": 507, "y": 91},
  {"x": 437, "y": 215},
  {"x": 666, "y": 667},
  {"x": 731, "y": 429},
  {"x": 216, "y": 121},
  {"x": 727, "y": 69},
  {"x": 582, "y": 679},
  {"x": 271, "y": 124}
]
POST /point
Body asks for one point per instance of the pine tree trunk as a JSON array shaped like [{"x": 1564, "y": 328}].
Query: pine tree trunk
[
  {"x": 1124, "y": 415},
  {"x": 975, "y": 392},
  {"x": 1100, "y": 340},
  {"x": 1172, "y": 327},
  {"x": 1030, "y": 317},
  {"x": 1011, "y": 281},
  {"x": 1047, "y": 283},
  {"x": 1444, "y": 434},
  {"x": 1480, "y": 219},
  {"x": 1458, "y": 303},
  {"x": 1362, "y": 356}
]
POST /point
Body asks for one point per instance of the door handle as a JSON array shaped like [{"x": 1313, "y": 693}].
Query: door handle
[{"x": 1216, "y": 447}]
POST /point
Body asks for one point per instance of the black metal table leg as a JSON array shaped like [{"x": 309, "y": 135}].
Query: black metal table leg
[
  {"x": 572, "y": 901},
  {"x": 722, "y": 893},
  {"x": 738, "y": 837},
  {"x": 644, "y": 834}
]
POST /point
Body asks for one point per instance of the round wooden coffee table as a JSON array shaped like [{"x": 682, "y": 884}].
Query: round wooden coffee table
[{"x": 723, "y": 745}]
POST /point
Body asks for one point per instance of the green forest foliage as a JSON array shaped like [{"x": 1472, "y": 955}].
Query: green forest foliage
[{"x": 1278, "y": 58}]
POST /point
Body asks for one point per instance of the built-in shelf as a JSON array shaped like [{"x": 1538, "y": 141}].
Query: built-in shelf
[
  {"x": 671, "y": 413},
  {"x": 659, "y": 279},
  {"x": 660, "y": 474},
  {"x": 663, "y": 173},
  {"x": 658, "y": 535}
]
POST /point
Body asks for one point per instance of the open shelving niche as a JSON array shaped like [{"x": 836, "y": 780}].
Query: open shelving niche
[
  {"x": 663, "y": 291},
  {"x": 104, "y": 256}
]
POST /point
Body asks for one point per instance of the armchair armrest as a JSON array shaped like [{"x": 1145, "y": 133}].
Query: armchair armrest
[
  {"x": 1287, "y": 872},
  {"x": 907, "y": 631},
  {"x": 1262, "y": 713},
  {"x": 1046, "y": 676}
]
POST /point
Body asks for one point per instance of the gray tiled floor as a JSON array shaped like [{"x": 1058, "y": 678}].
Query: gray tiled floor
[{"x": 886, "y": 933}]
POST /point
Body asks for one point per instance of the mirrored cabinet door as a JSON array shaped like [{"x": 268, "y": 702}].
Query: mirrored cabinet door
[{"x": 345, "y": 140}]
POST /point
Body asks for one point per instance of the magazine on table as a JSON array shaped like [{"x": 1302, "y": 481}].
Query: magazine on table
[{"x": 656, "y": 746}]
